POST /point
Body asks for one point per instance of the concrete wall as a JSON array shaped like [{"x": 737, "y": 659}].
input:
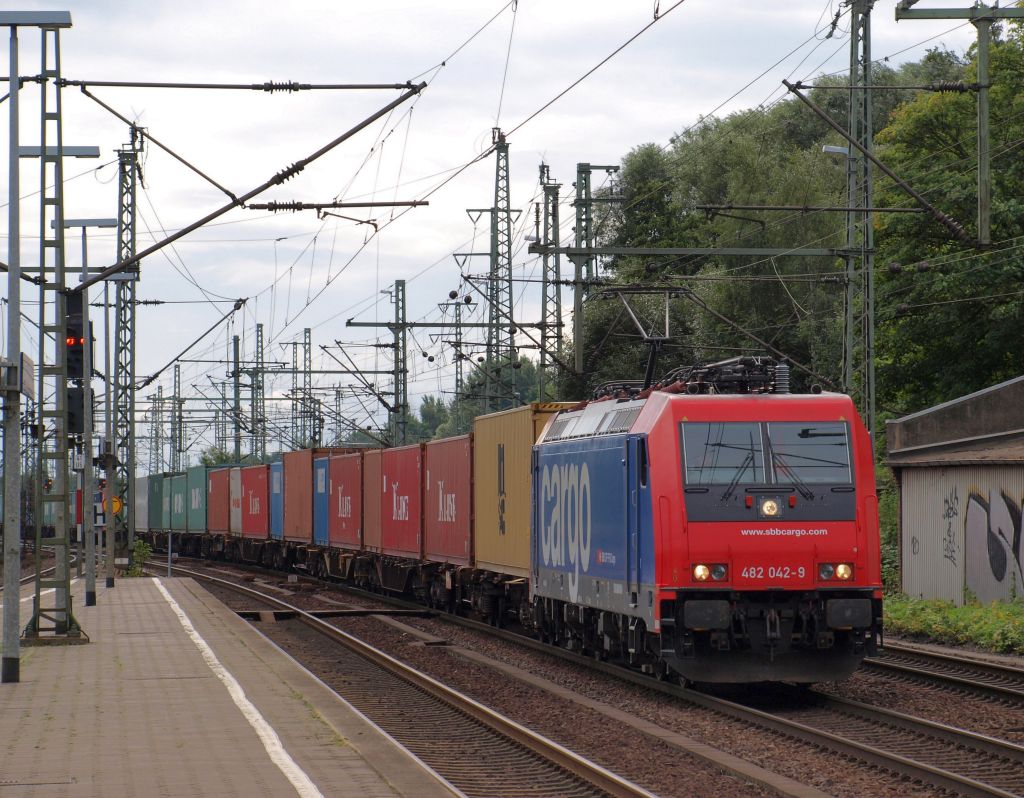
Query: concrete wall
[
  {"x": 993, "y": 411},
  {"x": 961, "y": 529}
]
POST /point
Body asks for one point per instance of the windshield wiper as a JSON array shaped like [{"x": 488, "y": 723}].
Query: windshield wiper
[
  {"x": 731, "y": 488},
  {"x": 798, "y": 483}
]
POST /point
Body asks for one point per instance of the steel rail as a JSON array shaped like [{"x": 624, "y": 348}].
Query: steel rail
[
  {"x": 942, "y": 731},
  {"x": 569, "y": 761},
  {"x": 25, "y": 580},
  {"x": 992, "y": 669}
]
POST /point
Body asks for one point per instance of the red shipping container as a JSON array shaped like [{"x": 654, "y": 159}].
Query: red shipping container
[
  {"x": 218, "y": 503},
  {"x": 298, "y": 496},
  {"x": 448, "y": 501},
  {"x": 401, "y": 507},
  {"x": 298, "y": 492},
  {"x": 372, "y": 496},
  {"x": 256, "y": 502},
  {"x": 345, "y": 508}
]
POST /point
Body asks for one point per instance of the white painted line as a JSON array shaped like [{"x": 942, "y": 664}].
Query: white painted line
[
  {"x": 303, "y": 785},
  {"x": 33, "y": 595}
]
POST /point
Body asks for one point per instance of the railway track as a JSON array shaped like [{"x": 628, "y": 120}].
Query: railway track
[
  {"x": 25, "y": 580},
  {"x": 941, "y": 755},
  {"x": 1003, "y": 682},
  {"x": 947, "y": 757},
  {"x": 950, "y": 758},
  {"x": 476, "y": 743}
]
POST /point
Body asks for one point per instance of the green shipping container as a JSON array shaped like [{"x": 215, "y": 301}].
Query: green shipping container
[
  {"x": 165, "y": 503},
  {"x": 179, "y": 502},
  {"x": 156, "y": 503},
  {"x": 196, "y": 484}
]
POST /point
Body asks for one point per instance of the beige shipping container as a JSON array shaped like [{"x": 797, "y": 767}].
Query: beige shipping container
[
  {"x": 502, "y": 450},
  {"x": 957, "y": 532}
]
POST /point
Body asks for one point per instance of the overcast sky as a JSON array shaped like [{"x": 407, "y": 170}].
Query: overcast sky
[{"x": 296, "y": 270}]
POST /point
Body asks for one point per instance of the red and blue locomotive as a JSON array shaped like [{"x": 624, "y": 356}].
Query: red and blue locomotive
[{"x": 720, "y": 529}]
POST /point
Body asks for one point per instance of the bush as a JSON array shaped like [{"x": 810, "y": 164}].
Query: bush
[
  {"x": 995, "y": 627},
  {"x": 888, "y": 518},
  {"x": 141, "y": 552}
]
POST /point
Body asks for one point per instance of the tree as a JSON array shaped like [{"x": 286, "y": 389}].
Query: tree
[
  {"x": 215, "y": 456},
  {"x": 949, "y": 316}
]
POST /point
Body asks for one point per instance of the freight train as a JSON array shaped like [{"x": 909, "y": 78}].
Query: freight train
[{"x": 715, "y": 528}]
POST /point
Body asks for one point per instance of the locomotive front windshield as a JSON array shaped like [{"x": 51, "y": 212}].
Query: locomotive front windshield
[
  {"x": 813, "y": 453},
  {"x": 731, "y": 453},
  {"x": 723, "y": 453}
]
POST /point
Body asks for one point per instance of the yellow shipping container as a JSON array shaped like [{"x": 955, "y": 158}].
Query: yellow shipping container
[{"x": 502, "y": 447}]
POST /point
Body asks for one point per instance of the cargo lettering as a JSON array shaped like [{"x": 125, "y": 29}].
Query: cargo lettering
[
  {"x": 344, "y": 503},
  {"x": 445, "y": 504},
  {"x": 399, "y": 505},
  {"x": 565, "y": 524},
  {"x": 196, "y": 497},
  {"x": 254, "y": 503}
]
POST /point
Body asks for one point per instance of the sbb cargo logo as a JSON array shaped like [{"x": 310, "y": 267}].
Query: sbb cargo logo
[{"x": 565, "y": 532}]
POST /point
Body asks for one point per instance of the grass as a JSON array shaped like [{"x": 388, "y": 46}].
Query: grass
[{"x": 997, "y": 627}]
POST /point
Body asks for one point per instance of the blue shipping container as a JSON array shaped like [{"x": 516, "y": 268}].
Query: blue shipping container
[
  {"x": 277, "y": 500},
  {"x": 321, "y": 500}
]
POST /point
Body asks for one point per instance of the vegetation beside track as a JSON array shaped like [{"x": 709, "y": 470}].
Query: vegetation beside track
[{"x": 997, "y": 627}]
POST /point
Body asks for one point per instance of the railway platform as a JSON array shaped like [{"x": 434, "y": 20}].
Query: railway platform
[{"x": 175, "y": 695}]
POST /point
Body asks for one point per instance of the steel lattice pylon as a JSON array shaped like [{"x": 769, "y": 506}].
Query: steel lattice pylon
[
  {"x": 124, "y": 346},
  {"x": 156, "y": 432},
  {"x": 259, "y": 412},
  {"x": 177, "y": 425},
  {"x": 401, "y": 375},
  {"x": 55, "y": 619},
  {"x": 551, "y": 307},
  {"x": 859, "y": 365},
  {"x": 501, "y": 337},
  {"x": 307, "y": 406}
]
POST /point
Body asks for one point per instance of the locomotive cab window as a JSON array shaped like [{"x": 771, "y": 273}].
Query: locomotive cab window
[
  {"x": 812, "y": 452},
  {"x": 723, "y": 453}
]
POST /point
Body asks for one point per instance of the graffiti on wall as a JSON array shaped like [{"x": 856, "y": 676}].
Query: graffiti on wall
[
  {"x": 950, "y": 511},
  {"x": 992, "y": 538}
]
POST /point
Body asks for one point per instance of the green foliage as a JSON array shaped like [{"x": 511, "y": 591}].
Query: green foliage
[
  {"x": 888, "y": 516},
  {"x": 948, "y": 317},
  {"x": 515, "y": 385},
  {"x": 996, "y": 627},
  {"x": 215, "y": 456},
  {"x": 141, "y": 552}
]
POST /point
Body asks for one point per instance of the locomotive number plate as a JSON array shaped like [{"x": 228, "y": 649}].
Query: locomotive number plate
[{"x": 773, "y": 572}]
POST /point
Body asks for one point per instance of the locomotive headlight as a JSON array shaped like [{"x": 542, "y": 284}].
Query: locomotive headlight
[
  {"x": 826, "y": 570},
  {"x": 844, "y": 571},
  {"x": 770, "y": 508},
  {"x": 719, "y": 572},
  {"x": 701, "y": 573}
]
